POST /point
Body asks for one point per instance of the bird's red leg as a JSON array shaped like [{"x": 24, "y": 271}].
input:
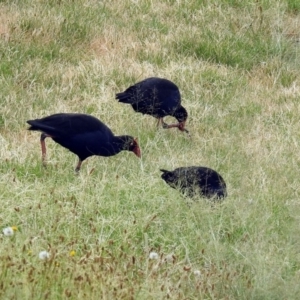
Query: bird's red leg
[
  {"x": 164, "y": 125},
  {"x": 43, "y": 146},
  {"x": 171, "y": 126},
  {"x": 180, "y": 126},
  {"x": 77, "y": 169}
]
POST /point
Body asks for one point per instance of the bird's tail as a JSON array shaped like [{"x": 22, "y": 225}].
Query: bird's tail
[
  {"x": 36, "y": 126},
  {"x": 123, "y": 97}
]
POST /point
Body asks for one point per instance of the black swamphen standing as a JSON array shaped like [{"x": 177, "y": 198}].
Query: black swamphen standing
[
  {"x": 83, "y": 135},
  {"x": 157, "y": 97},
  {"x": 193, "y": 181}
]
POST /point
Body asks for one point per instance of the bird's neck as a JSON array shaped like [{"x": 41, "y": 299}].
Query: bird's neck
[{"x": 118, "y": 144}]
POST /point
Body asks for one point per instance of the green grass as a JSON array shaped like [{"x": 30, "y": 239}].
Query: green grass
[{"x": 237, "y": 66}]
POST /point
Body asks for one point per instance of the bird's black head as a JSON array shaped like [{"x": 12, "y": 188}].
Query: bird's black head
[
  {"x": 131, "y": 144},
  {"x": 181, "y": 115},
  {"x": 167, "y": 176},
  {"x": 171, "y": 178}
]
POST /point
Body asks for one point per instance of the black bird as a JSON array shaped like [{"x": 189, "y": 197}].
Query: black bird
[
  {"x": 83, "y": 135},
  {"x": 157, "y": 97},
  {"x": 193, "y": 181}
]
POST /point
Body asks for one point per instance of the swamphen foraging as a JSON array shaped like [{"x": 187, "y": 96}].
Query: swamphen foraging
[
  {"x": 83, "y": 135},
  {"x": 193, "y": 181},
  {"x": 157, "y": 97}
]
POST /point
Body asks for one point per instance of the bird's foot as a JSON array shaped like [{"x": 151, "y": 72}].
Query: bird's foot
[
  {"x": 178, "y": 125},
  {"x": 44, "y": 163}
]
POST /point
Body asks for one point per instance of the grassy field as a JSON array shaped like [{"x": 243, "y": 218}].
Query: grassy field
[{"x": 237, "y": 65}]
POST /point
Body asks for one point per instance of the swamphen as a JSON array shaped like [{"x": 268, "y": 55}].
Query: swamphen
[
  {"x": 83, "y": 135},
  {"x": 157, "y": 97},
  {"x": 193, "y": 181}
]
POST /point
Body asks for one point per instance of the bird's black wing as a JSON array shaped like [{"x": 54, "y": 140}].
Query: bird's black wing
[
  {"x": 69, "y": 124},
  {"x": 154, "y": 96}
]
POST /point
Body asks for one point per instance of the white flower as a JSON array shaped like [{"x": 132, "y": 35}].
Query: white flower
[
  {"x": 197, "y": 273},
  {"x": 153, "y": 255},
  {"x": 44, "y": 255},
  {"x": 8, "y": 231}
]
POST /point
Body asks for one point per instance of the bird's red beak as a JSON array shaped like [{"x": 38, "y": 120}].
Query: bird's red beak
[
  {"x": 136, "y": 149},
  {"x": 181, "y": 127}
]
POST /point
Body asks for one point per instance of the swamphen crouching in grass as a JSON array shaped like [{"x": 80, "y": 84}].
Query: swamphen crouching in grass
[
  {"x": 157, "y": 97},
  {"x": 83, "y": 135},
  {"x": 193, "y": 181}
]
